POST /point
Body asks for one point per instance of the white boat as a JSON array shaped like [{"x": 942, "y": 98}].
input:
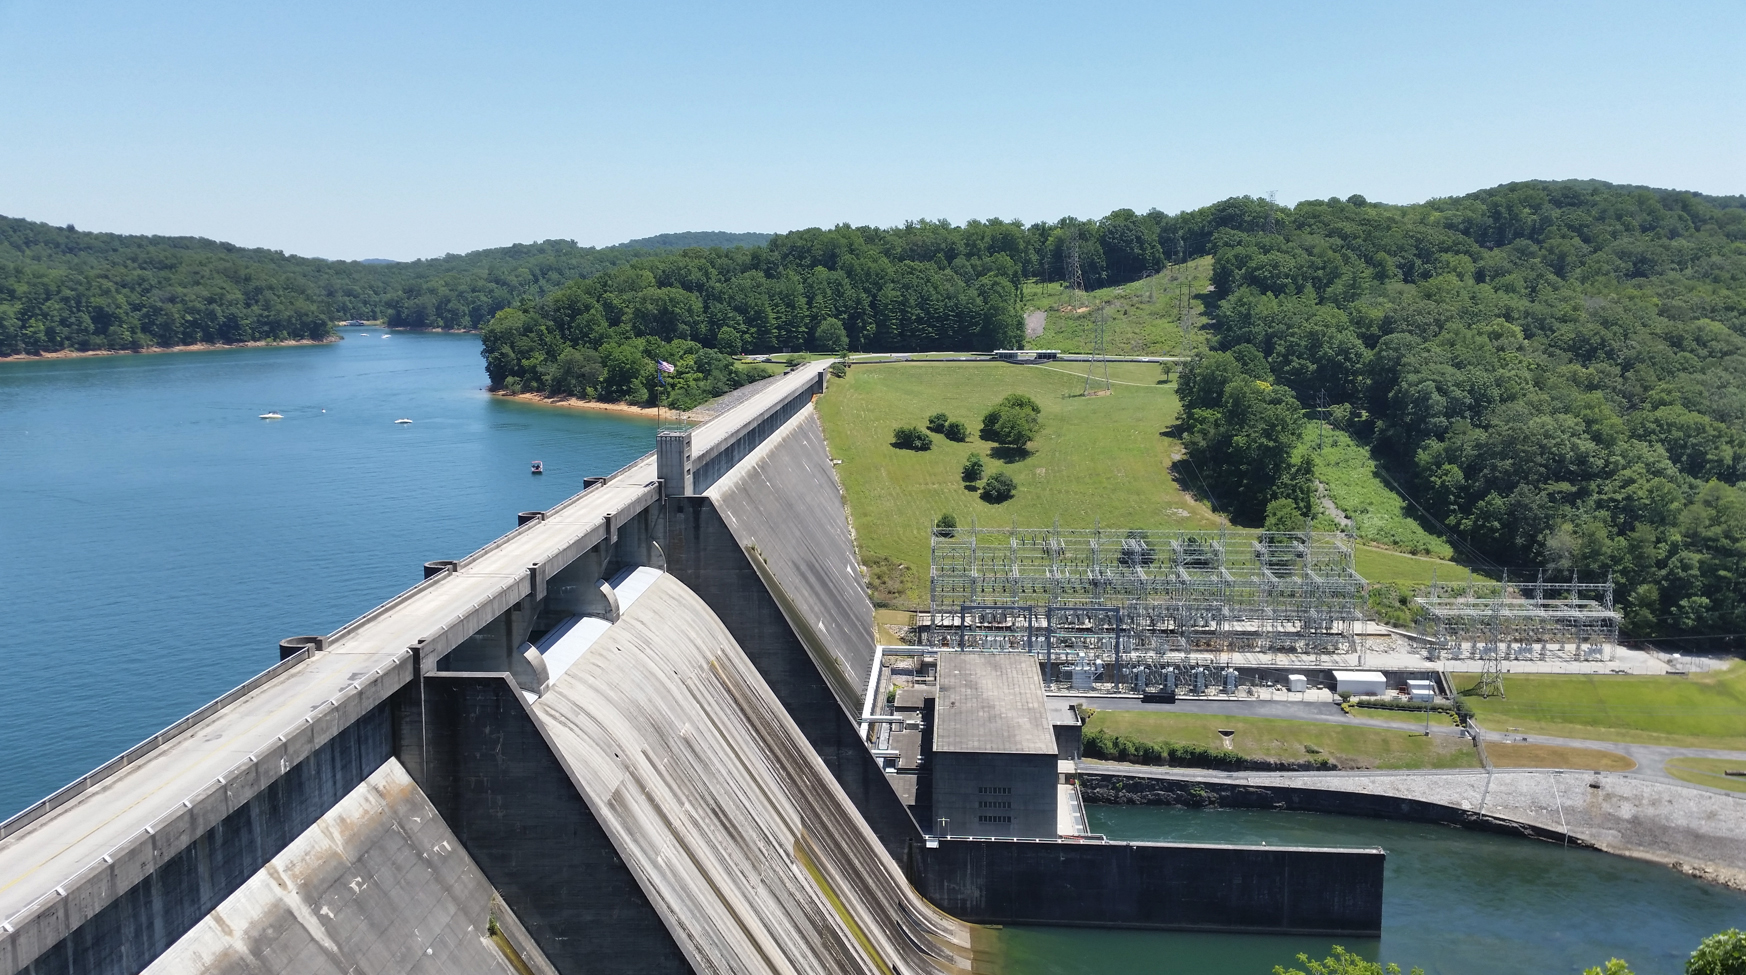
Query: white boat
[
  {"x": 403, "y": 420},
  {"x": 272, "y": 416}
]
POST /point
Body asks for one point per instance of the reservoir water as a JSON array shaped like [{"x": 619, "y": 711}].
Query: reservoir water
[{"x": 157, "y": 540}]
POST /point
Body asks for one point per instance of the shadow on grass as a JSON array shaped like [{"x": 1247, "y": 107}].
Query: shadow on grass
[{"x": 1010, "y": 455}]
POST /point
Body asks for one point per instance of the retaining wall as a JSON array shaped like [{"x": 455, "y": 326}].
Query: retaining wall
[
  {"x": 1278, "y": 890},
  {"x": 1697, "y": 831}
]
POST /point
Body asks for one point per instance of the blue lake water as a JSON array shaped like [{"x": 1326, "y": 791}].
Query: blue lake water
[
  {"x": 157, "y": 540},
  {"x": 1455, "y": 902}
]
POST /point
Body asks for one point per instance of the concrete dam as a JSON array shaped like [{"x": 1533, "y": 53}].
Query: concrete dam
[{"x": 624, "y": 737}]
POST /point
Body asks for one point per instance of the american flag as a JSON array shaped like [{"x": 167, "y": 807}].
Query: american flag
[{"x": 663, "y": 365}]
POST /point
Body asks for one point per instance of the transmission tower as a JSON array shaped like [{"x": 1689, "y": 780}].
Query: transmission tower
[
  {"x": 1321, "y": 417},
  {"x": 1072, "y": 279},
  {"x": 1272, "y": 198},
  {"x": 1098, "y": 352},
  {"x": 1491, "y": 653}
]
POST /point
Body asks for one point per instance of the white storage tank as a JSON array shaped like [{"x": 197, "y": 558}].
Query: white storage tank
[
  {"x": 1297, "y": 683},
  {"x": 1360, "y": 683},
  {"x": 1421, "y": 690}
]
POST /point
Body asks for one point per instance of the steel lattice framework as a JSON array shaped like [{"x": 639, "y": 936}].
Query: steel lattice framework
[
  {"x": 1496, "y": 622},
  {"x": 1136, "y": 600}
]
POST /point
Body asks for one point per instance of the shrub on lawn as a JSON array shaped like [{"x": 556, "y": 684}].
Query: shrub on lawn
[
  {"x": 956, "y": 431},
  {"x": 947, "y": 526},
  {"x": 937, "y": 422},
  {"x": 973, "y": 469},
  {"x": 911, "y": 438},
  {"x": 999, "y": 488},
  {"x": 1013, "y": 422}
]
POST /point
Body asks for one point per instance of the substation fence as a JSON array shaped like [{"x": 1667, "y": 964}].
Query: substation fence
[{"x": 1140, "y": 608}]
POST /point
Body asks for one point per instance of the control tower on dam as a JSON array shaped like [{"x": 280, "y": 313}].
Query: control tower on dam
[{"x": 621, "y": 738}]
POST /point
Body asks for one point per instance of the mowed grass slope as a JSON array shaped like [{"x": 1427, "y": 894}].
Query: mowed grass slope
[
  {"x": 1700, "y": 711},
  {"x": 1140, "y": 318},
  {"x": 1099, "y": 457},
  {"x": 1348, "y": 746}
]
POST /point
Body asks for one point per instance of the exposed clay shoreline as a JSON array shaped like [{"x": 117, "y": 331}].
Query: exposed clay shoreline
[
  {"x": 202, "y": 347},
  {"x": 571, "y": 403}
]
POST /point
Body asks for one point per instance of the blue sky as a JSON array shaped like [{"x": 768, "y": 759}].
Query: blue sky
[{"x": 408, "y": 130}]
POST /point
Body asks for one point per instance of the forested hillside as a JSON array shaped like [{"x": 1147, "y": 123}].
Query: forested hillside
[
  {"x": 64, "y": 289},
  {"x": 1554, "y": 372}
]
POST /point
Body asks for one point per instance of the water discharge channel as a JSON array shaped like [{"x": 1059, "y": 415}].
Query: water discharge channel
[{"x": 157, "y": 538}]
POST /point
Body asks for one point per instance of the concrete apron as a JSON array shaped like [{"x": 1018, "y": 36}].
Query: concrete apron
[{"x": 1695, "y": 831}]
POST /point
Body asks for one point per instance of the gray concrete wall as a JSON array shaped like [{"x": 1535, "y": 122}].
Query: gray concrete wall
[
  {"x": 783, "y": 503},
  {"x": 1200, "y": 888},
  {"x": 377, "y": 884},
  {"x": 1697, "y": 831},
  {"x": 742, "y": 841},
  {"x": 493, "y": 776},
  {"x": 704, "y": 553},
  {"x": 961, "y": 795},
  {"x": 190, "y": 863}
]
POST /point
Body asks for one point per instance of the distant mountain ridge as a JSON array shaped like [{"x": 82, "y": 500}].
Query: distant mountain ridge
[{"x": 694, "y": 238}]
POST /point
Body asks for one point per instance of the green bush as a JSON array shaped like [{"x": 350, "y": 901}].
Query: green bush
[
  {"x": 937, "y": 422},
  {"x": 999, "y": 488},
  {"x": 840, "y": 368},
  {"x": 1723, "y": 953},
  {"x": 1013, "y": 422},
  {"x": 911, "y": 438},
  {"x": 956, "y": 431},
  {"x": 1342, "y": 962},
  {"x": 973, "y": 469},
  {"x": 947, "y": 526},
  {"x": 1117, "y": 748}
]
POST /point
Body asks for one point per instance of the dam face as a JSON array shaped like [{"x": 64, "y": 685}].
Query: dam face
[{"x": 620, "y": 738}]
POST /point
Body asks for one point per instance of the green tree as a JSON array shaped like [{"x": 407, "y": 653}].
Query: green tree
[
  {"x": 1283, "y": 516},
  {"x": 1013, "y": 422},
  {"x": 830, "y": 337},
  {"x": 956, "y": 431},
  {"x": 727, "y": 341},
  {"x": 1723, "y": 953},
  {"x": 1614, "y": 966},
  {"x": 1341, "y": 962},
  {"x": 578, "y": 371},
  {"x": 911, "y": 438},
  {"x": 1243, "y": 448},
  {"x": 973, "y": 468},
  {"x": 999, "y": 488},
  {"x": 623, "y": 373},
  {"x": 946, "y": 526},
  {"x": 937, "y": 422}
]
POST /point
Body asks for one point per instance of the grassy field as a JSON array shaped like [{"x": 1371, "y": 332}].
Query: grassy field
[
  {"x": 1700, "y": 711},
  {"x": 1100, "y": 457},
  {"x": 1142, "y": 318},
  {"x": 1376, "y": 513},
  {"x": 1294, "y": 741},
  {"x": 1709, "y": 771},
  {"x": 1530, "y": 755}
]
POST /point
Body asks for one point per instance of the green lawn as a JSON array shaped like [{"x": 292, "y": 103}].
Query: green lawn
[
  {"x": 1710, "y": 772},
  {"x": 1100, "y": 457},
  {"x": 1285, "y": 740},
  {"x": 1142, "y": 318},
  {"x": 1700, "y": 711}
]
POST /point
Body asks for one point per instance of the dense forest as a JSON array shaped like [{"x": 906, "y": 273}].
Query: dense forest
[
  {"x": 64, "y": 289},
  {"x": 1554, "y": 373}
]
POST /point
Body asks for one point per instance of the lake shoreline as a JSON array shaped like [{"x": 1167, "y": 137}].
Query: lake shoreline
[
  {"x": 200, "y": 347},
  {"x": 572, "y": 403}
]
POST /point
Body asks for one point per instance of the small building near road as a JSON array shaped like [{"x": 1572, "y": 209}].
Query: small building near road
[
  {"x": 1360, "y": 683},
  {"x": 994, "y": 748}
]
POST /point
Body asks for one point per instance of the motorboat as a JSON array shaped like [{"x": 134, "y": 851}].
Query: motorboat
[
  {"x": 272, "y": 416},
  {"x": 403, "y": 420},
  {"x": 539, "y": 468}
]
